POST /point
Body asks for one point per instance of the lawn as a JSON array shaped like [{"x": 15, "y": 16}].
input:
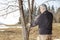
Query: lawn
[{"x": 16, "y": 33}]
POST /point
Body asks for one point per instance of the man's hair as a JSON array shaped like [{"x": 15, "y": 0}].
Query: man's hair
[{"x": 44, "y": 5}]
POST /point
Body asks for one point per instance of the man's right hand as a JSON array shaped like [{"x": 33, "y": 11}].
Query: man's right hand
[{"x": 29, "y": 25}]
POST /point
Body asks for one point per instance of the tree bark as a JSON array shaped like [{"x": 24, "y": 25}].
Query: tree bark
[
  {"x": 30, "y": 6},
  {"x": 24, "y": 28},
  {"x": 30, "y": 10}
]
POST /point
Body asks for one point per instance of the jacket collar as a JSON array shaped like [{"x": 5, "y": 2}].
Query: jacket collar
[{"x": 45, "y": 12}]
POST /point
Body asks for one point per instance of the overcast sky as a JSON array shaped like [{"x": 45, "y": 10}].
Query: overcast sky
[
  {"x": 11, "y": 18},
  {"x": 54, "y": 3}
]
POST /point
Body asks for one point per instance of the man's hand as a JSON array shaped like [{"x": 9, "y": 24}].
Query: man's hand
[{"x": 29, "y": 25}]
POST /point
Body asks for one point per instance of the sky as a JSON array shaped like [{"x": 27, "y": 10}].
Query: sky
[
  {"x": 39, "y": 2},
  {"x": 55, "y": 3},
  {"x": 13, "y": 18}
]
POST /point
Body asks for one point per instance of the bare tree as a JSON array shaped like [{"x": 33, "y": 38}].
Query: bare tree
[{"x": 25, "y": 28}]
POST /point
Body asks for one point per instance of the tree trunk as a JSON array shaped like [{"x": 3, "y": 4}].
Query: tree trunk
[
  {"x": 30, "y": 13},
  {"x": 30, "y": 10},
  {"x": 24, "y": 30}
]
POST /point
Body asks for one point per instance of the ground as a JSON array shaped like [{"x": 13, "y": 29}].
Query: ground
[{"x": 16, "y": 33}]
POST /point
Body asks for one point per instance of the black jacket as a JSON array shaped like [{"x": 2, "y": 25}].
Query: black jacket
[{"x": 45, "y": 23}]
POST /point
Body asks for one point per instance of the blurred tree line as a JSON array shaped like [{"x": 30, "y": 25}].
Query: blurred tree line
[{"x": 56, "y": 14}]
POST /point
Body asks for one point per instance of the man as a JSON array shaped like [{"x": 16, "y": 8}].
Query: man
[{"x": 44, "y": 21}]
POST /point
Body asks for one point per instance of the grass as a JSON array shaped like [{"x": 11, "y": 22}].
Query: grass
[{"x": 16, "y": 33}]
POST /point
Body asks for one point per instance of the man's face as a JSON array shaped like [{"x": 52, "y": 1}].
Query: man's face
[{"x": 42, "y": 9}]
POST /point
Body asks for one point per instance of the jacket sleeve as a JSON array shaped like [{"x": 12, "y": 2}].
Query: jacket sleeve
[{"x": 35, "y": 22}]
